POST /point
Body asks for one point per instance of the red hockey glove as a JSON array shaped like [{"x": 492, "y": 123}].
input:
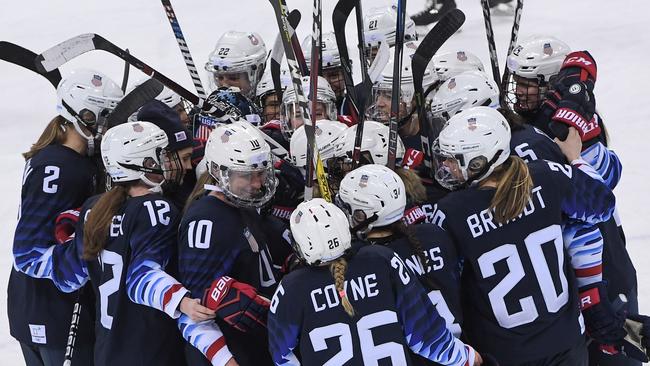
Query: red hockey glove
[
  {"x": 576, "y": 108},
  {"x": 412, "y": 159},
  {"x": 237, "y": 303},
  {"x": 578, "y": 66},
  {"x": 65, "y": 224}
]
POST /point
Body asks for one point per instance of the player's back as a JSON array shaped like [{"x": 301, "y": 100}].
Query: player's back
[
  {"x": 128, "y": 333},
  {"x": 308, "y": 301},
  {"x": 530, "y": 144},
  {"x": 520, "y": 290}
]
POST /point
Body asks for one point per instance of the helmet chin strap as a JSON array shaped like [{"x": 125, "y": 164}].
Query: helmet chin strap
[
  {"x": 482, "y": 174},
  {"x": 362, "y": 229}
]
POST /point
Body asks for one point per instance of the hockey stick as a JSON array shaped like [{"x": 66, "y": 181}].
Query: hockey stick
[
  {"x": 489, "y": 32},
  {"x": 280, "y": 10},
  {"x": 72, "y": 334},
  {"x": 133, "y": 101},
  {"x": 277, "y": 54},
  {"x": 125, "y": 76},
  {"x": 396, "y": 87},
  {"x": 513, "y": 41},
  {"x": 182, "y": 45},
  {"x": 71, "y": 48},
  {"x": 441, "y": 32},
  {"x": 21, "y": 56}
]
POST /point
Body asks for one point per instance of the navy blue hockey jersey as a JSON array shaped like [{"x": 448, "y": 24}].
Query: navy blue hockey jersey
[
  {"x": 136, "y": 299},
  {"x": 217, "y": 239},
  {"x": 531, "y": 144},
  {"x": 56, "y": 179},
  {"x": 392, "y": 315},
  {"x": 521, "y": 296}
]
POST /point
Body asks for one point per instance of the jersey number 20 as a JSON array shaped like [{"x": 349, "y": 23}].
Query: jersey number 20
[{"x": 534, "y": 242}]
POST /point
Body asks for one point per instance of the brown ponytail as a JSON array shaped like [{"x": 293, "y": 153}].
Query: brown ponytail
[
  {"x": 199, "y": 188},
  {"x": 415, "y": 190},
  {"x": 514, "y": 188},
  {"x": 338, "y": 268},
  {"x": 54, "y": 133},
  {"x": 100, "y": 218}
]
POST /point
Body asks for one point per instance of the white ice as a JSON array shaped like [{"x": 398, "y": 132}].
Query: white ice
[{"x": 615, "y": 32}]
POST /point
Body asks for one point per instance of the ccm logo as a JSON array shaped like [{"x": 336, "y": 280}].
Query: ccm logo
[
  {"x": 219, "y": 291},
  {"x": 577, "y": 59}
]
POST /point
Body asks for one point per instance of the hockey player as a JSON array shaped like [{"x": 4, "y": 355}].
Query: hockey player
[
  {"x": 353, "y": 306},
  {"x": 123, "y": 242},
  {"x": 376, "y": 210},
  {"x": 379, "y": 105},
  {"x": 290, "y": 114},
  {"x": 58, "y": 177},
  {"x": 245, "y": 108},
  {"x": 228, "y": 251},
  {"x": 511, "y": 210},
  {"x": 379, "y": 26},
  {"x": 266, "y": 97},
  {"x": 237, "y": 61},
  {"x": 331, "y": 64}
]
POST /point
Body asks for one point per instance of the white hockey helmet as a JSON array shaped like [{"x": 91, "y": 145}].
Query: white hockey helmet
[
  {"x": 379, "y": 25},
  {"x": 371, "y": 196},
  {"x": 237, "y": 152},
  {"x": 470, "y": 146},
  {"x": 266, "y": 86},
  {"x": 84, "y": 97},
  {"x": 452, "y": 63},
  {"x": 327, "y": 135},
  {"x": 238, "y": 53},
  {"x": 137, "y": 150},
  {"x": 374, "y": 143},
  {"x": 537, "y": 57},
  {"x": 463, "y": 91},
  {"x": 329, "y": 51},
  {"x": 290, "y": 115},
  {"x": 320, "y": 231},
  {"x": 379, "y": 106}
]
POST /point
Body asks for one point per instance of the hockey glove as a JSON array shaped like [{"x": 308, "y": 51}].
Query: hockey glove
[
  {"x": 604, "y": 324},
  {"x": 291, "y": 184},
  {"x": 576, "y": 108},
  {"x": 65, "y": 224},
  {"x": 237, "y": 303},
  {"x": 635, "y": 343},
  {"x": 578, "y": 66}
]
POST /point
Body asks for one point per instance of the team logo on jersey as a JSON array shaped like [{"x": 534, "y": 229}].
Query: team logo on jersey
[
  {"x": 363, "y": 182},
  {"x": 461, "y": 56},
  {"x": 548, "y": 50},
  {"x": 226, "y": 136},
  {"x": 471, "y": 124},
  {"x": 253, "y": 39},
  {"x": 138, "y": 127},
  {"x": 96, "y": 81},
  {"x": 452, "y": 83}
]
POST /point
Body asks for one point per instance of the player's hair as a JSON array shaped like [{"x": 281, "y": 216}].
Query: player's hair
[
  {"x": 54, "y": 133},
  {"x": 514, "y": 185},
  {"x": 338, "y": 269},
  {"x": 415, "y": 191},
  {"x": 416, "y": 246},
  {"x": 515, "y": 121},
  {"x": 100, "y": 219},
  {"x": 199, "y": 188}
]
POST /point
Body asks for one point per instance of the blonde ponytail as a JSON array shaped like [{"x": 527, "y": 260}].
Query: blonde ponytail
[
  {"x": 514, "y": 188},
  {"x": 338, "y": 269}
]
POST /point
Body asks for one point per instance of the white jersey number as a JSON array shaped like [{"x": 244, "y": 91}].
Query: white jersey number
[
  {"x": 106, "y": 289},
  {"x": 370, "y": 352},
  {"x": 550, "y": 235},
  {"x": 51, "y": 174}
]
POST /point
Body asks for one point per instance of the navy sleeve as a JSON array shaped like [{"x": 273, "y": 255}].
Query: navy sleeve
[{"x": 284, "y": 327}]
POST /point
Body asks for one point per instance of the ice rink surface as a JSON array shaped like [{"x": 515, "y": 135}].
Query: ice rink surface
[{"x": 614, "y": 32}]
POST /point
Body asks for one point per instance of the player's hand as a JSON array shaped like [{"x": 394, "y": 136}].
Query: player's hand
[
  {"x": 196, "y": 311},
  {"x": 578, "y": 66},
  {"x": 635, "y": 343},
  {"x": 571, "y": 146},
  {"x": 291, "y": 184},
  {"x": 237, "y": 303},
  {"x": 478, "y": 361},
  {"x": 65, "y": 224},
  {"x": 604, "y": 324}
]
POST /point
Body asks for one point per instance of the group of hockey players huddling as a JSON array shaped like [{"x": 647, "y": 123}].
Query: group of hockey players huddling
[{"x": 507, "y": 250}]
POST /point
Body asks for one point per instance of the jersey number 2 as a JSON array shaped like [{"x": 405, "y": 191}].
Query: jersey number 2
[
  {"x": 106, "y": 289},
  {"x": 534, "y": 242}
]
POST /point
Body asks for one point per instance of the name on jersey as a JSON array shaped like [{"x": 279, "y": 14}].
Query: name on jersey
[
  {"x": 415, "y": 264},
  {"x": 483, "y": 222},
  {"x": 357, "y": 288}
]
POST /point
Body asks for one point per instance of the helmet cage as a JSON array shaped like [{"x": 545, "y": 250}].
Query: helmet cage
[{"x": 224, "y": 176}]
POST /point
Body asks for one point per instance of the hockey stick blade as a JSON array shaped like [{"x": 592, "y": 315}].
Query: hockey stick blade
[
  {"x": 23, "y": 57},
  {"x": 277, "y": 54},
  {"x": 133, "y": 101},
  {"x": 65, "y": 51}
]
